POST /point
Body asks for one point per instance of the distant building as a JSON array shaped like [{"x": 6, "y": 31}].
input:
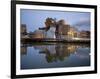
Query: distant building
[
  {"x": 65, "y": 31},
  {"x": 51, "y": 32},
  {"x": 72, "y": 32},
  {"x": 49, "y": 22},
  {"x": 37, "y": 34},
  {"x": 49, "y": 29},
  {"x": 62, "y": 32},
  {"x": 84, "y": 34},
  {"x": 59, "y": 30},
  {"x": 23, "y": 29}
]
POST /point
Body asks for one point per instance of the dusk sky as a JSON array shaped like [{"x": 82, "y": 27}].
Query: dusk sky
[{"x": 36, "y": 18}]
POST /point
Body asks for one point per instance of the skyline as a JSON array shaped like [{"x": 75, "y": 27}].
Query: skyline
[{"x": 35, "y": 19}]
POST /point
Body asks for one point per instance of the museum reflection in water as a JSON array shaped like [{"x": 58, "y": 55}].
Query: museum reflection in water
[{"x": 54, "y": 55}]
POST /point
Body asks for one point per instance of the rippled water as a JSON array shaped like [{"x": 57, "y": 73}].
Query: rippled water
[{"x": 54, "y": 55}]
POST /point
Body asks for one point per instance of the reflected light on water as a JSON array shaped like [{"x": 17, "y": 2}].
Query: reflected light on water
[{"x": 51, "y": 55}]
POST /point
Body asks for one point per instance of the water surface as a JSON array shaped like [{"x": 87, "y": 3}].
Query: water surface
[{"x": 54, "y": 55}]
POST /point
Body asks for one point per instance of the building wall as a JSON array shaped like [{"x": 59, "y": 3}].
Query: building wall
[
  {"x": 37, "y": 34},
  {"x": 51, "y": 33},
  {"x": 66, "y": 31},
  {"x": 84, "y": 34},
  {"x": 72, "y": 32}
]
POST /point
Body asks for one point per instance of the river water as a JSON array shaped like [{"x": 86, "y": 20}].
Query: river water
[{"x": 54, "y": 55}]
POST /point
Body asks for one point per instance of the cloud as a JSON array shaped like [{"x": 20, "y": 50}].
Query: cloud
[{"x": 83, "y": 22}]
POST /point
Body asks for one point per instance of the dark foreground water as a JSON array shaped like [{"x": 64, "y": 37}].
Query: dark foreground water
[{"x": 54, "y": 55}]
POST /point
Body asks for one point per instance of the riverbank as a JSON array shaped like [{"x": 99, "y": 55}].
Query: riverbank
[{"x": 56, "y": 40}]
